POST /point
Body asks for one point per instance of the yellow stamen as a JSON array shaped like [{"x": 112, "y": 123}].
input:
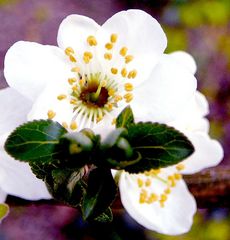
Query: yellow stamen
[
  {"x": 177, "y": 176},
  {"x": 124, "y": 72},
  {"x": 128, "y": 97},
  {"x": 72, "y": 58},
  {"x": 172, "y": 181},
  {"x": 132, "y": 74},
  {"x": 61, "y": 97},
  {"x": 167, "y": 191},
  {"x": 109, "y": 46},
  {"x": 148, "y": 182},
  {"x": 123, "y": 51},
  {"x": 99, "y": 118},
  {"x": 110, "y": 106},
  {"x": 65, "y": 125},
  {"x": 114, "y": 70},
  {"x": 69, "y": 51},
  {"x": 152, "y": 198},
  {"x": 140, "y": 182},
  {"x": 86, "y": 59},
  {"x": 143, "y": 196},
  {"x": 88, "y": 54},
  {"x": 128, "y": 87},
  {"x": 73, "y": 125},
  {"x": 72, "y": 80},
  {"x": 111, "y": 92},
  {"x": 51, "y": 114},
  {"x": 73, "y": 101},
  {"x": 114, "y": 121},
  {"x": 117, "y": 98},
  {"x": 128, "y": 58},
  {"x": 108, "y": 56},
  {"x": 74, "y": 88},
  {"x": 75, "y": 69},
  {"x": 113, "y": 38},
  {"x": 91, "y": 40},
  {"x": 180, "y": 167}
]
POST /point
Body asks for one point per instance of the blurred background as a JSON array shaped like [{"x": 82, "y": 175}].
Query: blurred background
[{"x": 200, "y": 27}]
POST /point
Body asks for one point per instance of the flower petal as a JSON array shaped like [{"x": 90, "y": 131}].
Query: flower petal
[
  {"x": 184, "y": 59},
  {"x": 166, "y": 93},
  {"x": 74, "y": 30},
  {"x": 2, "y": 196},
  {"x": 18, "y": 179},
  {"x": 30, "y": 66},
  {"x": 208, "y": 153},
  {"x": 13, "y": 109},
  {"x": 174, "y": 218},
  {"x": 141, "y": 34}
]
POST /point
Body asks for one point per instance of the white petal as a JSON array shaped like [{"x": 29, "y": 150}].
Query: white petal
[
  {"x": 13, "y": 109},
  {"x": 18, "y": 179},
  {"x": 184, "y": 59},
  {"x": 30, "y": 66},
  {"x": 3, "y": 196},
  {"x": 208, "y": 153},
  {"x": 74, "y": 30},
  {"x": 141, "y": 34},
  {"x": 173, "y": 219},
  {"x": 166, "y": 93},
  {"x": 48, "y": 101}
]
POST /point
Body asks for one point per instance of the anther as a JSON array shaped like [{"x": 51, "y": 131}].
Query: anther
[
  {"x": 99, "y": 118},
  {"x": 123, "y": 51},
  {"x": 128, "y": 97},
  {"x": 72, "y": 80},
  {"x": 114, "y": 121},
  {"x": 148, "y": 182},
  {"x": 143, "y": 196},
  {"x": 65, "y": 125},
  {"x": 73, "y": 101},
  {"x": 113, "y": 38},
  {"x": 91, "y": 40},
  {"x": 51, "y": 114},
  {"x": 74, "y": 88},
  {"x": 114, "y": 70},
  {"x": 72, "y": 58},
  {"x": 180, "y": 167},
  {"x": 177, "y": 176},
  {"x": 109, "y": 46},
  {"x": 132, "y": 74},
  {"x": 128, "y": 58},
  {"x": 124, "y": 72},
  {"x": 128, "y": 87},
  {"x": 108, "y": 56},
  {"x": 140, "y": 182},
  {"x": 69, "y": 51},
  {"x": 111, "y": 92},
  {"x": 167, "y": 191},
  {"x": 75, "y": 69},
  {"x": 73, "y": 125},
  {"x": 152, "y": 198},
  {"x": 117, "y": 98},
  {"x": 61, "y": 97}
]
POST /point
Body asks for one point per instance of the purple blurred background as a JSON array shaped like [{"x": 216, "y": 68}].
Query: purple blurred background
[{"x": 200, "y": 27}]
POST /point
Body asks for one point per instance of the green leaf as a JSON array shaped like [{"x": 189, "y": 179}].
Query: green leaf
[
  {"x": 105, "y": 217},
  {"x": 4, "y": 210},
  {"x": 158, "y": 145},
  {"x": 100, "y": 193},
  {"x": 125, "y": 118},
  {"x": 66, "y": 186},
  {"x": 35, "y": 141}
]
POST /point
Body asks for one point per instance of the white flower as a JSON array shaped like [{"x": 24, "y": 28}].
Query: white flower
[{"x": 85, "y": 82}]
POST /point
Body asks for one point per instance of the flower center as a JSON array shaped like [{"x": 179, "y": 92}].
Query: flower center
[{"x": 95, "y": 93}]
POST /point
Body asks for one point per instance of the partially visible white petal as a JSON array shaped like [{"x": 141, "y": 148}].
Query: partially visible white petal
[
  {"x": 13, "y": 109},
  {"x": 208, "y": 153},
  {"x": 184, "y": 59},
  {"x": 74, "y": 31},
  {"x": 3, "y": 196},
  {"x": 174, "y": 218},
  {"x": 30, "y": 66},
  {"x": 141, "y": 34},
  {"x": 165, "y": 94},
  {"x": 18, "y": 179}
]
